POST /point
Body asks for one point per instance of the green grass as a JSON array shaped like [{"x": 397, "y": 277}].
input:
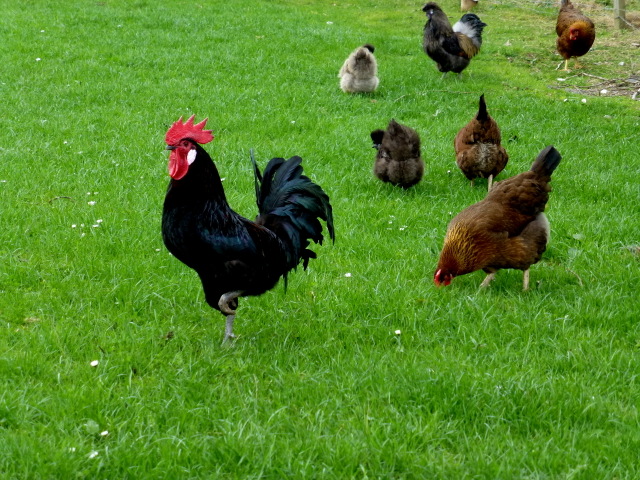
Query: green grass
[{"x": 479, "y": 384}]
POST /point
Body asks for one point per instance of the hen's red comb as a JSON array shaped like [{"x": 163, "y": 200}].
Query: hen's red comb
[{"x": 180, "y": 130}]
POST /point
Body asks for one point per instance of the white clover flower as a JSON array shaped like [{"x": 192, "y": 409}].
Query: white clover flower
[
  {"x": 105, "y": 433},
  {"x": 347, "y": 275},
  {"x": 397, "y": 332},
  {"x": 94, "y": 363},
  {"x": 91, "y": 203},
  {"x": 93, "y": 454}
]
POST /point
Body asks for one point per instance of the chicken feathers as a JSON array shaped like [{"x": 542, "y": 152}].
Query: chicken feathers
[
  {"x": 398, "y": 159},
  {"x": 452, "y": 48},
  {"x": 576, "y": 33},
  {"x": 359, "y": 71},
  {"x": 479, "y": 153},
  {"x": 507, "y": 229}
]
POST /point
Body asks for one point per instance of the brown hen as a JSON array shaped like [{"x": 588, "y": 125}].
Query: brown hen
[
  {"x": 478, "y": 150},
  {"x": 576, "y": 33},
  {"x": 507, "y": 229}
]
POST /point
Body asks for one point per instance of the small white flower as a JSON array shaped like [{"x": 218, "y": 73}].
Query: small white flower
[
  {"x": 584, "y": 100},
  {"x": 41, "y": 31},
  {"x": 93, "y": 454},
  {"x": 621, "y": 64},
  {"x": 329, "y": 23},
  {"x": 91, "y": 203},
  {"x": 99, "y": 220},
  {"x": 95, "y": 226},
  {"x": 448, "y": 171},
  {"x": 73, "y": 226},
  {"x": 565, "y": 100},
  {"x": 402, "y": 228},
  {"x": 347, "y": 275},
  {"x": 72, "y": 449},
  {"x": 157, "y": 249},
  {"x": 604, "y": 91},
  {"x": 105, "y": 433},
  {"x": 94, "y": 363},
  {"x": 65, "y": 142},
  {"x": 38, "y": 59},
  {"x": 561, "y": 79},
  {"x": 397, "y": 332},
  {"x": 293, "y": 121}
]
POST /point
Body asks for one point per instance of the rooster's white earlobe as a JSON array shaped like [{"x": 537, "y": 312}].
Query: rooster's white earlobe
[{"x": 191, "y": 156}]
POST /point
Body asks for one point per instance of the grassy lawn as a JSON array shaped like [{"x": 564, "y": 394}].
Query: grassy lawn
[{"x": 497, "y": 383}]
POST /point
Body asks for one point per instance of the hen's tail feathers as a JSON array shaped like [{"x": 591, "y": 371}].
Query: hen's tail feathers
[
  {"x": 482, "y": 110},
  {"x": 546, "y": 163},
  {"x": 290, "y": 205}
]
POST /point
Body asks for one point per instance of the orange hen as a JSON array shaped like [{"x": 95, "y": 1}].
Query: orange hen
[
  {"x": 507, "y": 229},
  {"x": 576, "y": 33}
]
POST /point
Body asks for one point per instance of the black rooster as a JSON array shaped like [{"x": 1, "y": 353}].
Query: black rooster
[
  {"x": 234, "y": 256},
  {"x": 451, "y": 48}
]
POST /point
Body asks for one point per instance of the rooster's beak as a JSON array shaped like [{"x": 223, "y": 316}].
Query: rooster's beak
[{"x": 169, "y": 147}]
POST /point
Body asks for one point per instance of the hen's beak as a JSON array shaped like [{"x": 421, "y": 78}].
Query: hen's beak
[{"x": 169, "y": 147}]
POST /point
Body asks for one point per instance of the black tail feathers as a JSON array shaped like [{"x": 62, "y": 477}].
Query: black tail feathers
[
  {"x": 547, "y": 161},
  {"x": 290, "y": 204},
  {"x": 482, "y": 110}
]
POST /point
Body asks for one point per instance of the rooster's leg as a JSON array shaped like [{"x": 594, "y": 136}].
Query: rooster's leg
[
  {"x": 228, "y": 329},
  {"x": 225, "y": 307},
  {"x": 487, "y": 280},
  {"x": 566, "y": 65},
  {"x": 489, "y": 183},
  {"x": 525, "y": 280}
]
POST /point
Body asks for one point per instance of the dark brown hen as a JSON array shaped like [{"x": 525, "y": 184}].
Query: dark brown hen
[
  {"x": 398, "y": 160},
  {"x": 479, "y": 153}
]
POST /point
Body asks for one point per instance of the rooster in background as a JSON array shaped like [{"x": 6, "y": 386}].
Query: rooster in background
[
  {"x": 576, "y": 33},
  {"x": 359, "y": 71},
  {"x": 233, "y": 256},
  {"x": 478, "y": 150},
  {"x": 507, "y": 229},
  {"x": 451, "y": 48},
  {"x": 398, "y": 159}
]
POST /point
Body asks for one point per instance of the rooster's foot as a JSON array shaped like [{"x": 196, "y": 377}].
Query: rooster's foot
[{"x": 228, "y": 330}]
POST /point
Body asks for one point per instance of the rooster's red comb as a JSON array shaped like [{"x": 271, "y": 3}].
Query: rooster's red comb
[{"x": 180, "y": 130}]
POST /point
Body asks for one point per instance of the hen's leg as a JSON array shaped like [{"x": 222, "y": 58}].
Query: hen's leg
[
  {"x": 489, "y": 183},
  {"x": 487, "y": 280},
  {"x": 225, "y": 307},
  {"x": 525, "y": 280}
]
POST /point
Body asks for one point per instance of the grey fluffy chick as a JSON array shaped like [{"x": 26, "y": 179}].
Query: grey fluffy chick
[
  {"x": 398, "y": 160},
  {"x": 359, "y": 71}
]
